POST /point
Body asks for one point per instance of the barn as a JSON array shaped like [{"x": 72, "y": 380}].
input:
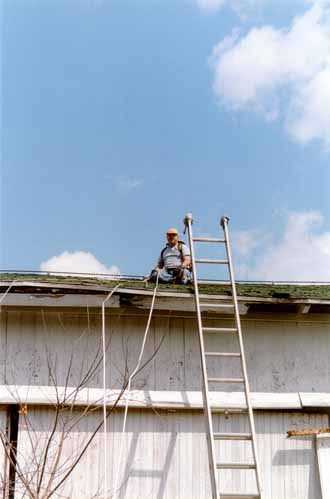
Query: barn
[{"x": 68, "y": 346}]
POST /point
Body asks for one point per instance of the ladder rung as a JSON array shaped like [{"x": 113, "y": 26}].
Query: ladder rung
[
  {"x": 214, "y": 283},
  {"x": 220, "y": 329},
  {"x": 239, "y": 496},
  {"x": 223, "y": 354},
  {"x": 209, "y": 240},
  {"x": 236, "y": 466},
  {"x": 210, "y": 260},
  {"x": 232, "y": 436},
  {"x": 216, "y": 305},
  {"x": 226, "y": 380},
  {"x": 228, "y": 298},
  {"x": 230, "y": 410}
]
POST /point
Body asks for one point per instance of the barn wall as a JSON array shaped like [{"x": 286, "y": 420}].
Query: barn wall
[
  {"x": 286, "y": 355},
  {"x": 165, "y": 451},
  {"x": 164, "y": 455},
  {"x": 3, "y": 460}
]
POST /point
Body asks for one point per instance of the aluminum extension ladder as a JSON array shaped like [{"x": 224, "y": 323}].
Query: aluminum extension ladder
[{"x": 211, "y": 435}]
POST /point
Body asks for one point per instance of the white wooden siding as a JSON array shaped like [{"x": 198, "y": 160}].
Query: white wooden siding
[
  {"x": 3, "y": 460},
  {"x": 165, "y": 455},
  {"x": 282, "y": 356},
  {"x": 165, "y": 449},
  {"x": 323, "y": 458}
]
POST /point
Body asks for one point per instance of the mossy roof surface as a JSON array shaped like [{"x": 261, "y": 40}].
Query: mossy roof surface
[{"x": 258, "y": 290}]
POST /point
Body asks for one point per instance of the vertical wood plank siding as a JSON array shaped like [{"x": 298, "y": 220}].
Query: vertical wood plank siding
[
  {"x": 282, "y": 356},
  {"x": 165, "y": 456},
  {"x": 3, "y": 460},
  {"x": 165, "y": 451},
  {"x": 323, "y": 458}
]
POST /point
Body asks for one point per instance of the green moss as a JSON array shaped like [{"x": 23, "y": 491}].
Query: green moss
[{"x": 263, "y": 290}]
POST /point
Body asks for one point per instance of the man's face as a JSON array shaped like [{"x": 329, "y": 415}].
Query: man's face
[{"x": 172, "y": 239}]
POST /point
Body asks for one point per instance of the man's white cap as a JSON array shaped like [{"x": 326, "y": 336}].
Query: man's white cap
[{"x": 172, "y": 230}]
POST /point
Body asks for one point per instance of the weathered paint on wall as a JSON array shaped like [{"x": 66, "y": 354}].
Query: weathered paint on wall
[
  {"x": 282, "y": 356},
  {"x": 165, "y": 450},
  {"x": 165, "y": 455},
  {"x": 323, "y": 458},
  {"x": 3, "y": 459}
]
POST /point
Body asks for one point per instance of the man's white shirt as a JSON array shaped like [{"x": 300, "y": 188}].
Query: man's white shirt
[{"x": 172, "y": 256}]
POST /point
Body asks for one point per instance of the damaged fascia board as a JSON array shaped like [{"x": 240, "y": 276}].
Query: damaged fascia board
[
  {"x": 58, "y": 285},
  {"x": 303, "y": 308},
  {"x": 148, "y": 292},
  {"x": 174, "y": 302},
  {"x": 91, "y": 300},
  {"x": 183, "y": 304},
  {"x": 64, "y": 300},
  {"x": 241, "y": 298},
  {"x": 165, "y": 299},
  {"x": 186, "y": 302}
]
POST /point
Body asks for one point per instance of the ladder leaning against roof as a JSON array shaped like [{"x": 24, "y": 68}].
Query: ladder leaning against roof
[{"x": 212, "y": 436}]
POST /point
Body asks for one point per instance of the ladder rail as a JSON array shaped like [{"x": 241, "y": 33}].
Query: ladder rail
[
  {"x": 207, "y": 405},
  {"x": 208, "y": 411},
  {"x": 224, "y": 224}
]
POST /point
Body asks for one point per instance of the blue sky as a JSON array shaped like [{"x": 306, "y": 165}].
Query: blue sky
[{"x": 118, "y": 117}]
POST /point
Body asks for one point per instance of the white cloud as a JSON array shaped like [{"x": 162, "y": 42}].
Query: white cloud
[
  {"x": 302, "y": 253},
  {"x": 77, "y": 261},
  {"x": 247, "y": 241},
  {"x": 309, "y": 116},
  {"x": 280, "y": 73}
]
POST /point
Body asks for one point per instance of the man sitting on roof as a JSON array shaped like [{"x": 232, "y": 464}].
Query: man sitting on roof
[{"x": 174, "y": 262}]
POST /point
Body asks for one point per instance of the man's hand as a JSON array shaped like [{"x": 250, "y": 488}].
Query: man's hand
[{"x": 186, "y": 264}]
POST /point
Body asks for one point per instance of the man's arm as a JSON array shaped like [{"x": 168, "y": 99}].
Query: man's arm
[
  {"x": 186, "y": 258},
  {"x": 160, "y": 263},
  {"x": 186, "y": 263}
]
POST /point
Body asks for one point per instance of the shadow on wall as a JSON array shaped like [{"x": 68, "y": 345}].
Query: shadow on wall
[{"x": 306, "y": 459}]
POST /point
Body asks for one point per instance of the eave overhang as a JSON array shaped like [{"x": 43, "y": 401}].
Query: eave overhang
[{"x": 135, "y": 295}]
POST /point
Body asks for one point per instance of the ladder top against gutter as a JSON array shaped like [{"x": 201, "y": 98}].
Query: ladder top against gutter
[{"x": 212, "y": 437}]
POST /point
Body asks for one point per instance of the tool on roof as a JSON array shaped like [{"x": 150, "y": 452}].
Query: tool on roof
[{"x": 212, "y": 436}]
